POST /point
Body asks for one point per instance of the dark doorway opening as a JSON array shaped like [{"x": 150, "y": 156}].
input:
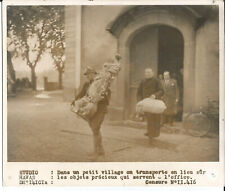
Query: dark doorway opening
[
  {"x": 171, "y": 50},
  {"x": 159, "y": 47}
]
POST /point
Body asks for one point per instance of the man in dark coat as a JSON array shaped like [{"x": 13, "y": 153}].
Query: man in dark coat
[
  {"x": 151, "y": 87},
  {"x": 97, "y": 119},
  {"x": 170, "y": 98}
]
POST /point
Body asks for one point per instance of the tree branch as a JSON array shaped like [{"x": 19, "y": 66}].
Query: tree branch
[{"x": 41, "y": 46}]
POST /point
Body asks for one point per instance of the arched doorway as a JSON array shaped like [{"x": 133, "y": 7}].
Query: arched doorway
[
  {"x": 159, "y": 47},
  {"x": 129, "y": 25}
]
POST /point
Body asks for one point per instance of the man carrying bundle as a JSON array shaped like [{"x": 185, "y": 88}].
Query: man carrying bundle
[
  {"x": 151, "y": 87},
  {"x": 96, "y": 120}
]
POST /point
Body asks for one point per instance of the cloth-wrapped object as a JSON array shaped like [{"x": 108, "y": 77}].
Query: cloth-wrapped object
[
  {"x": 149, "y": 105},
  {"x": 87, "y": 105},
  {"x": 84, "y": 108}
]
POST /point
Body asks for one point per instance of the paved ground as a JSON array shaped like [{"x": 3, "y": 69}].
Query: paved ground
[{"x": 41, "y": 128}]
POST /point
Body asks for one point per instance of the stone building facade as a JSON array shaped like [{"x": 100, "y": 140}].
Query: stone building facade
[{"x": 160, "y": 37}]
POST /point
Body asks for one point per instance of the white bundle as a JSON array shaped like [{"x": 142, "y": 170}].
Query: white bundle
[{"x": 150, "y": 105}]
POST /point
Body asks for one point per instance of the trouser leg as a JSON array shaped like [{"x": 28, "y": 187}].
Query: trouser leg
[
  {"x": 95, "y": 125},
  {"x": 153, "y": 125},
  {"x": 97, "y": 138},
  {"x": 157, "y": 125},
  {"x": 149, "y": 123}
]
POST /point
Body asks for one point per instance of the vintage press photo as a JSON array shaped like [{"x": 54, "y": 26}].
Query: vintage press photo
[{"x": 112, "y": 93}]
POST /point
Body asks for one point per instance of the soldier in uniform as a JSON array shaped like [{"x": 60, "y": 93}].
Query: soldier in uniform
[
  {"x": 151, "y": 87},
  {"x": 171, "y": 96},
  {"x": 97, "y": 119}
]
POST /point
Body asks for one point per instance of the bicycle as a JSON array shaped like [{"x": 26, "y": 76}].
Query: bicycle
[{"x": 199, "y": 124}]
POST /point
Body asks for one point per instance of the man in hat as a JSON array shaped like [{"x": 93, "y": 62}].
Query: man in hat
[
  {"x": 89, "y": 73},
  {"x": 97, "y": 119},
  {"x": 151, "y": 87}
]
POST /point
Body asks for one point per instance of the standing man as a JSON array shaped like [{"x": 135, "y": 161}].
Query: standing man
[
  {"x": 151, "y": 87},
  {"x": 171, "y": 96},
  {"x": 97, "y": 119}
]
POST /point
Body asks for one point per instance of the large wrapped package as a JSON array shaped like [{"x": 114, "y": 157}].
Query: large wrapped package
[
  {"x": 86, "y": 107},
  {"x": 149, "y": 105}
]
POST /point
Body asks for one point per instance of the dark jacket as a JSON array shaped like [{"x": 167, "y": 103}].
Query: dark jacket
[
  {"x": 148, "y": 87},
  {"x": 171, "y": 94},
  {"x": 102, "y": 105}
]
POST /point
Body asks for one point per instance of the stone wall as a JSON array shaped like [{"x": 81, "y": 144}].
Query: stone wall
[
  {"x": 93, "y": 44},
  {"x": 207, "y": 63},
  {"x": 73, "y": 51}
]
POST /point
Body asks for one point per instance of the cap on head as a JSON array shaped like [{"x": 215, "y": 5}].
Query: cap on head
[{"x": 89, "y": 70}]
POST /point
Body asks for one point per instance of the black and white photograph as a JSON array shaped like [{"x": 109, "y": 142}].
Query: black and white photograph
[
  {"x": 113, "y": 83},
  {"x": 113, "y": 93}
]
